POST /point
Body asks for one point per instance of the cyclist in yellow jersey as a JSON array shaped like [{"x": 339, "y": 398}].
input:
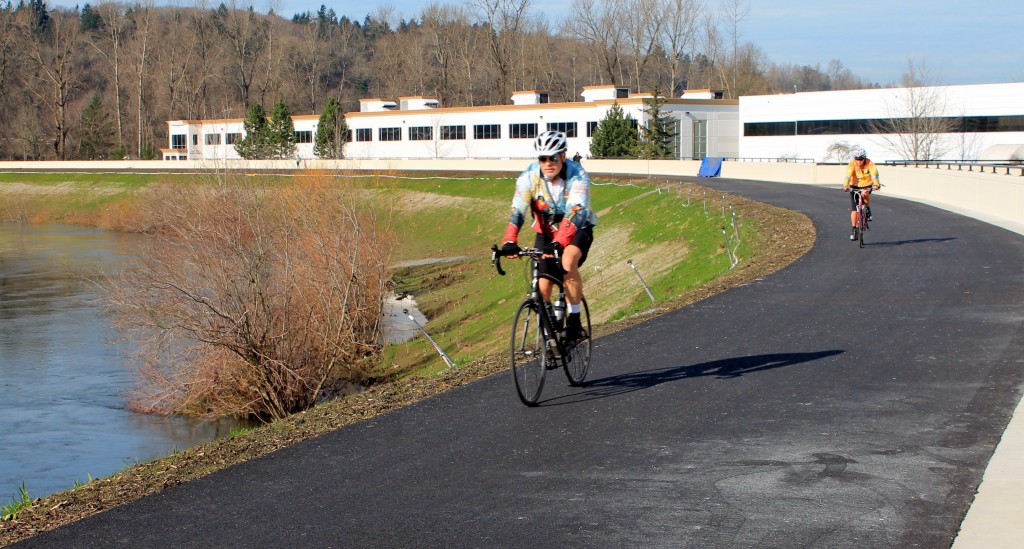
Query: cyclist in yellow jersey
[{"x": 861, "y": 173}]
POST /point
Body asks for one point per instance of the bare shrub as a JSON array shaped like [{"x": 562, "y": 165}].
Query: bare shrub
[{"x": 252, "y": 300}]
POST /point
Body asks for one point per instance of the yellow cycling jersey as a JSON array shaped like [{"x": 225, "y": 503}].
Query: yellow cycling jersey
[{"x": 856, "y": 176}]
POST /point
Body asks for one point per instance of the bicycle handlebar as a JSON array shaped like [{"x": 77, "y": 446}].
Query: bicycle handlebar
[{"x": 533, "y": 253}]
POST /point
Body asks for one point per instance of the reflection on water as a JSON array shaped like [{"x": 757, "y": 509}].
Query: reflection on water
[{"x": 62, "y": 384}]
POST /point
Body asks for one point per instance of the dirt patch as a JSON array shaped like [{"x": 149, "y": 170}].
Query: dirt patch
[
  {"x": 26, "y": 189},
  {"x": 791, "y": 235}
]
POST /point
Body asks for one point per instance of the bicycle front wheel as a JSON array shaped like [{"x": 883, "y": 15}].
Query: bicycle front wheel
[
  {"x": 528, "y": 358},
  {"x": 577, "y": 361}
]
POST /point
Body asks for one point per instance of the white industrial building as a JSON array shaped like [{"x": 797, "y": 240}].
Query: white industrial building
[
  {"x": 417, "y": 128},
  {"x": 989, "y": 119}
]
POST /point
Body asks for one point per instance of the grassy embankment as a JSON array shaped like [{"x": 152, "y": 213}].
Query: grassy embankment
[{"x": 674, "y": 246}]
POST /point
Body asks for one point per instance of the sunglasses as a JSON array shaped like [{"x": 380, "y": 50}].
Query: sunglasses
[{"x": 543, "y": 159}]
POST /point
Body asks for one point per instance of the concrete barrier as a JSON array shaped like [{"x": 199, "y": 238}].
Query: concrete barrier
[{"x": 994, "y": 198}]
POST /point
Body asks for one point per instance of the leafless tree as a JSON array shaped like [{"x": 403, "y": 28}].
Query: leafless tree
[
  {"x": 244, "y": 35},
  {"x": 139, "y": 51},
  {"x": 51, "y": 55},
  {"x": 643, "y": 22},
  {"x": 682, "y": 18},
  {"x": 506, "y": 20},
  {"x": 917, "y": 121},
  {"x": 108, "y": 44},
  {"x": 597, "y": 23}
]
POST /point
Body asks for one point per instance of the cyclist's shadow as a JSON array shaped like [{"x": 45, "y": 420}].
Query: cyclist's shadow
[{"x": 723, "y": 369}]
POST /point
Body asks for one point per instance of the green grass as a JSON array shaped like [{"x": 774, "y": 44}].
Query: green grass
[
  {"x": 675, "y": 242},
  {"x": 18, "y": 502}
]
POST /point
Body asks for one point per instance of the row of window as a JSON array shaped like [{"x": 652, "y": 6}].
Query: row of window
[
  {"x": 178, "y": 140},
  {"x": 480, "y": 131},
  {"x": 416, "y": 133},
  {"x": 948, "y": 124}
]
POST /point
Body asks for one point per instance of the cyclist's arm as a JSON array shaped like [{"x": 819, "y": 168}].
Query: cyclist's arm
[
  {"x": 578, "y": 214},
  {"x": 520, "y": 204},
  {"x": 849, "y": 176}
]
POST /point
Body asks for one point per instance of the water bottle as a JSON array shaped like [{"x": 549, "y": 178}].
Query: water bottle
[{"x": 560, "y": 311}]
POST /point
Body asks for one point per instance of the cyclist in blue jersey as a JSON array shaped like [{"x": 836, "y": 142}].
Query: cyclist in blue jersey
[{"x": 556, "y": 191}]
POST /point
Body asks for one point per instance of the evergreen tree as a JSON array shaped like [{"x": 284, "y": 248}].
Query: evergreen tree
[
  {"x": 615, "y": 136},
  {"x": 95, "y": 134},
  {"x": 281, "y": 132},
  {"x": 254, "y": 144},
  {"x": 90, "y": 19},
  {"x": 658, "y": 134},
  {"x": 331, "y": 132}
]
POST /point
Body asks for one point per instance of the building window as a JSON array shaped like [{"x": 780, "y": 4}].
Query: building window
[
  {"x": 348, "y": 136},
  {"x": 568, "y": 128},
  {"x": 304, "y": 136},
  {"x": 195, "y": 139},
  {"x": 591, "y": 126},
  {"x": 364, "y": 134},
  {"x": 232, "y": 138},
  {"x": 453, "y": 132},
  {"x": 487, "y": 131},
  {"x": 178, "y": 141},
  {"x": 391, "y": 134},
  {"x": 421, "y": 133},
  {"x": 522, "y": 131},
  {"x": 212, "y": 139}
]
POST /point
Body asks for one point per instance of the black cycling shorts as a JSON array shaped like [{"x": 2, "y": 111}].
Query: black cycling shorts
[
  {"x": 582, "y": 239},
  {"x": 853, "y": 199}
]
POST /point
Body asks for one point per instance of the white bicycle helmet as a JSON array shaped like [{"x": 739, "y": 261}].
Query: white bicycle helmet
[
  {"x": 858, "y": 152},
  {"x": 550, "y": 142}
]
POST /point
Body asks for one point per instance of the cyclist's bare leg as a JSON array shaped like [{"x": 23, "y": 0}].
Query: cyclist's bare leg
[
  {"x": 545, "y": 285},
  {"x": 573, "y": 281}
]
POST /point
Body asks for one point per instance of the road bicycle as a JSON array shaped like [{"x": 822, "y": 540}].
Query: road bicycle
[
  {"x": 538, "y": 341},
  {"x": 860, "y": 211}
]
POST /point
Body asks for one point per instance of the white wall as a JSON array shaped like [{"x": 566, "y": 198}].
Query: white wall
[
  {"x": 973, "y": 100},
  {"x": 993, "y": 198}
]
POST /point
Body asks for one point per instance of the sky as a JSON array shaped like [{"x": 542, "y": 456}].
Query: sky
[{"x": 958, "y": 42}]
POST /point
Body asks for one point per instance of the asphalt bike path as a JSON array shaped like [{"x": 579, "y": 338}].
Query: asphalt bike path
[{"x": 852, "y": 399}]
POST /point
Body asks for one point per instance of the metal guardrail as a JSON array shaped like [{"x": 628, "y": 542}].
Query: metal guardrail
[
  {"x": 775, "y": 159},
  {"x": 1009, "y": 167}
]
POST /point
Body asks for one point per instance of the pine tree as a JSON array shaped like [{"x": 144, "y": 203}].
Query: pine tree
[
  {"x": 331, "y": 132},
  {"x": 281, "y": 132},
  {"x": 95, "y": 133},
  {"x": 254, "y": 144},
  {"x": 615, "y": 136},
  {"x": 658, "y": 134}
]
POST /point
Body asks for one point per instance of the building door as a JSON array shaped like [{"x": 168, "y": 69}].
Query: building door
[{"x": 700, "y": 139}]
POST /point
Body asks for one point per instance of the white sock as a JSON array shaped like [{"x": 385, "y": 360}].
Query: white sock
[{"x": 574, "y": 308}]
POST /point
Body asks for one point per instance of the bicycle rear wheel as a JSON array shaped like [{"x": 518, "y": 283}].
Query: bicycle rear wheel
[
  {"x": 577, "y": 363},
  {"x": 528, "y": 357}
]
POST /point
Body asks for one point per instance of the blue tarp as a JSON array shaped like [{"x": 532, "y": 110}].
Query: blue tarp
[{"x": 710, "y": 167}]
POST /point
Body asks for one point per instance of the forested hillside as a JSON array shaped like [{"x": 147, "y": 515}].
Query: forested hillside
[{"x": 100, "y": 81}]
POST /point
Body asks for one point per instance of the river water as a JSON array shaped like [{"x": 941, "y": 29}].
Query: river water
[{"x": 62, "y": 383}]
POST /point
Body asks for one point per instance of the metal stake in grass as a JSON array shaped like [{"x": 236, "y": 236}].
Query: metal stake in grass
[
  {"x": 447, "y": 360},
  {"x": 728, "y": 249},
  {"x": 646, "y": 287}
]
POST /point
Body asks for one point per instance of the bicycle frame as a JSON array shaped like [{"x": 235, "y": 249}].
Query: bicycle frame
[
  {"x": 860, "y": 211},
  {"x": 551, "y": 329}
]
